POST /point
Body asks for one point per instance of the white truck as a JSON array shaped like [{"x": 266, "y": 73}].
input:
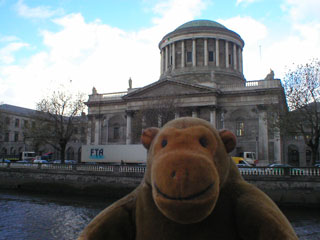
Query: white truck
[
  {"x": 249, "y": 157},
  {"x": 28, "y": 156},
  {"x": 115, "y": 154}
]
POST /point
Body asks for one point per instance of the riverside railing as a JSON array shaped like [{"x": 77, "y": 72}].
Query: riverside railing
[{"x": 245, "y": 171}]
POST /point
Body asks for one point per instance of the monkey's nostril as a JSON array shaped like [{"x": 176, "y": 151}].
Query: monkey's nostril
[{"x": 173, "y": 174}]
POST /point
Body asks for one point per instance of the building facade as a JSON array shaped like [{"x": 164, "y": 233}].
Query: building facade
[
  {"x": 15, "y": 122},
  {"x": 201, "y": 75}
]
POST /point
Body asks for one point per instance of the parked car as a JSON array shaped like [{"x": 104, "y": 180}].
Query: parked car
[
  {"x": 5, "y": 161},
  {"x": 23, "y": 161},
  {"x": 40, "y": 161},
  {"x": 244, "y": 163},
  {"x": 278, "y": 166},
  {"x": 317, "y": 165},
  {"x": 65, "y": 161}
]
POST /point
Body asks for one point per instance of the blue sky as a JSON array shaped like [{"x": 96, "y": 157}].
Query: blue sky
[{"x": 102, "y": 43}]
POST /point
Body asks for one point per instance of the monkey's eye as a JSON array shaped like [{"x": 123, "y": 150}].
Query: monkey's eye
[
  {"x": 164, "y": 143},
  {"x": 203, "y": 142}
]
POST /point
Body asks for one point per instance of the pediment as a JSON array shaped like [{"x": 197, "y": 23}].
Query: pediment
[{"x": 167, "y": 88}]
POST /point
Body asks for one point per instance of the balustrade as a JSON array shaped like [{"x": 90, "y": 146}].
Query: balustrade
[{"x": 245, "y": 171}]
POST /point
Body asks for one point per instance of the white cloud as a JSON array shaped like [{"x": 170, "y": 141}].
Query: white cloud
[
  {"x": 253, "y": 33},
  {"x": 9, "y": 39},
  {"x": 302, "y": 10},
  {"x": 94, "y": 54},
  {"x": 245, "y": 2},
  {"x": 36, "y": 12},
  {"x": 7, "y": 52}
]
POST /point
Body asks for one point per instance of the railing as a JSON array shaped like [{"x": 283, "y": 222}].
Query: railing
[
  {"x": 77, "y": 167},
  {"x": 107, "y": 96},
  {"x": 245, "y": 171},
  {"x": 280, "y": 171},
  {"x": 252, "y": 84}
]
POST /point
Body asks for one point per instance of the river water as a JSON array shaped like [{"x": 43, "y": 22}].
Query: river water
[{"x": 45, "y": 217}]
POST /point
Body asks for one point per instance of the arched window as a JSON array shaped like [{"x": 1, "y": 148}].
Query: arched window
[{"x": 240, "y": 128}]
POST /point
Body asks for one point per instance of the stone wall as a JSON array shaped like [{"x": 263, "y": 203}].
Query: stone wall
[{"x": 284, "y": 190}]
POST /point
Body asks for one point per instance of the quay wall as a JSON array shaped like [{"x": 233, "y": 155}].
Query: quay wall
[{"x": 117, "y": 181}]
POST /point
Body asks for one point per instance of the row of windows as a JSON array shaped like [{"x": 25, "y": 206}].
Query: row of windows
[
  {"x": 211, "y": 57},
  {"x": 7, "y": 137},
  {"x": 17, "y": 123}
]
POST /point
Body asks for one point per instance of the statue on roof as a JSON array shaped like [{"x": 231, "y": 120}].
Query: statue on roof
[
  {"x": 270, "y": 76},
  {"x": 94, "y": 91},
  {"x": 130, "y": 83}
]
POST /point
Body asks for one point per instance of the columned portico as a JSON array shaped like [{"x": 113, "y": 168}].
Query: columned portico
[
  {"x": 182, "y": 54},
  {"x": 213, "y": 116},
  {"x": 205, "y": 52},
  {"x": 217, "y": 52},
  {"x": 235, "y": 57},
  {"x": 97, "y": 131},
  {"x": 129, "y": 127},
  {"x": 227, "y": 54},
  {"x": 194, "y": 53}
]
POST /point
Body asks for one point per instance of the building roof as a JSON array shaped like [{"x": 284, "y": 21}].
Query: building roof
[
  {"x": 17, "y": 110},
  {"x": 201, "y": 23}
]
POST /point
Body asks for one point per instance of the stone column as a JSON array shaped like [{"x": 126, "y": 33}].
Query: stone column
[
  {"x": 182, "y": 54},
  {"x": 159, "y": 121},
  {"x": 277, "y": 146},
  {"x": 173, "y": 54},
  {"x": 217, "y": 52},
  {"x": 161, "y": 61},
  {"x": 89, "y": 132},
  {"x": 227, "y": 54},
  {"x": 205, "y": 52},
  {"x": 129, "y": 130},
  {"x": 143, "y": 122},
  {"x": 240, "y": 60},
  {"x": 263, "y": 135},
  {"x": 213, "y": 116},
  {"x": 107, "y": 129},
  {"x": 97, "y": 132},
  {"x": 234, "y": 56},
  {"x": 166, "y": 59},
  {"x": 176, "y": 115},
  {"x": 194, "y": 53}
]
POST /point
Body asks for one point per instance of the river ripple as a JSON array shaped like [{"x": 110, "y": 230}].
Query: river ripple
[{"x": 39, "y": 217}]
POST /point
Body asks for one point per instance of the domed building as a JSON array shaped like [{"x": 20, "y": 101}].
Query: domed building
[{"x": 201, "y": 75}]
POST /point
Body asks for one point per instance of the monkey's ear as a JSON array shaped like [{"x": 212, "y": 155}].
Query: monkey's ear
[
  {"x": 148, "y": 135},
  {"x": 229, "y": 140}
]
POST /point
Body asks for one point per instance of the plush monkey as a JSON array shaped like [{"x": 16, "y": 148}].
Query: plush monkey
[{"x": 191, "y": 190}]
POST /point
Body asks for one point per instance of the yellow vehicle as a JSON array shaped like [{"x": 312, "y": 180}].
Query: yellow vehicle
[{"x": 249, "y": 157}]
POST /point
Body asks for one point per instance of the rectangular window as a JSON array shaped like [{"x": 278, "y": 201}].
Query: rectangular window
[
  {"x": 26, "y": 123},
  {"x": 211, "y": 56},
  {"x": 240, "y": 129},
  {"x": 6, "y": 137},
  {"x": 230, "y": 59},
  {"x": 16, "y": 136},
  {"x": 189, "y": 56},
  {"x": 17, "y": 123},
  {"x": 7, "y": 120}
]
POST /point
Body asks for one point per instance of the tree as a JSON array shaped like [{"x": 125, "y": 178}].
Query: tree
[
  {"x": 302, "y": 89},
  {"x": 58, "y": 116}
]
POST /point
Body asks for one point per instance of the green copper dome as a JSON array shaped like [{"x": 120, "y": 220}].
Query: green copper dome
[{"x": 201, "y": 23}]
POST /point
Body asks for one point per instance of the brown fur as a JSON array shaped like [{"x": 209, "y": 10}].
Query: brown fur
[{"x": 191, "y": 190}]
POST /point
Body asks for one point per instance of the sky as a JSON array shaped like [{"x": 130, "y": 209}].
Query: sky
[{"x": 81, "y": 44}]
